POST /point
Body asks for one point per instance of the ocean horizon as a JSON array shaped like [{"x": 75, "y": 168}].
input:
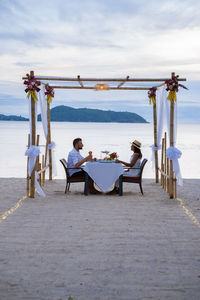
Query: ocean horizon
[{"x": 96, "y": 137}]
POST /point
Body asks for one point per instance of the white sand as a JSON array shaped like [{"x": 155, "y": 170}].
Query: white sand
[{"x": 100, "y": 246}]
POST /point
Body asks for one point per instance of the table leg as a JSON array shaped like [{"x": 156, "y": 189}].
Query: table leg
[{"x": 120, "y": 186}]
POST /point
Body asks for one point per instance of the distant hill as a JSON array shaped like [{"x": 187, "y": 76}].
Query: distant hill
[
  {"x": 12, "y": 118},
  {"x": 64, "y": 113}
]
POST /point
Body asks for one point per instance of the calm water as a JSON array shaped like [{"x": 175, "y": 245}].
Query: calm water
[{"x": 96, "y": 137}]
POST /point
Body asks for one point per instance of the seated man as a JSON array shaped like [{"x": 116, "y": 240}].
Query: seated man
[{"x": 75, "y": 160}]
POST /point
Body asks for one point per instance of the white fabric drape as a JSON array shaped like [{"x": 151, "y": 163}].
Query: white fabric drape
[
  {"x": 32, "y": 153},
  {"x": 52, "y": 148},
  {"x": 161, "y": 96},
  {"x": 30, "y": 119},
  {"x": 161, "y": 99},
  {"x": 173, "y": 153},
  {"x": 163, "y": 108},
  {"x": 43, "y": 106}
]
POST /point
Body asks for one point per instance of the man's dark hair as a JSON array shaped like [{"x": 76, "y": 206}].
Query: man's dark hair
[{"x": 75, "y": 141}]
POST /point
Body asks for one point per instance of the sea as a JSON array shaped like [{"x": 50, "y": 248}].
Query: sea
[{"x": 96, "y": 137}]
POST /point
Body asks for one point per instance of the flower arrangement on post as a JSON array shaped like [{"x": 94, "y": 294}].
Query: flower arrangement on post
[
  {"x": 49, "y": 93},
  {"x": 172, "y": 87},
  {"x": 152, "y": 95},
  {"x": 113, "y": 155},
  {"x": 32, "y": 87}
]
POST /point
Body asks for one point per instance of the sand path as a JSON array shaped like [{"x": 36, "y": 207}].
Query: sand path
[{"x": 97, "y": 247}]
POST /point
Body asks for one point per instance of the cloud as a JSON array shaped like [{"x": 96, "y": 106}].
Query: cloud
[{"x": 99, "y": 39}]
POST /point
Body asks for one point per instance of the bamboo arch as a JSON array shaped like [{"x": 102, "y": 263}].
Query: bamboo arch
[{"x": 117, "y": 84}]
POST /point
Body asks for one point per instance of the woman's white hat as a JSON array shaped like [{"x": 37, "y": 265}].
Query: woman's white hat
[{"x": 136, "y": 144}]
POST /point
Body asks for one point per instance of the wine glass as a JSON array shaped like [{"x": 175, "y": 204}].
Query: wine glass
[{"x": 105, "y": 152}]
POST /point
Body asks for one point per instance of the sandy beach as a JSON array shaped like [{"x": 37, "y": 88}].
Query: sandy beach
[{"x": 100, "y": 246}]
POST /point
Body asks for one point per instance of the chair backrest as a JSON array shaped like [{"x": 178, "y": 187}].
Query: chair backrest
[
  {"x": 142, "y": 166},
  {"x": 64, "y": 163}
]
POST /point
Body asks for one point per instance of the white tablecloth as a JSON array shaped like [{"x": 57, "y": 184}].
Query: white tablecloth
[{"x": 104, "y": 174}]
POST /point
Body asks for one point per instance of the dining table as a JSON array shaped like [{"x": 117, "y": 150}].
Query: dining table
[{"x": 103, "y": 173}]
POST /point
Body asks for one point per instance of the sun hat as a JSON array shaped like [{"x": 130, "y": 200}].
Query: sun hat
[{"x": 136, "y": 144}]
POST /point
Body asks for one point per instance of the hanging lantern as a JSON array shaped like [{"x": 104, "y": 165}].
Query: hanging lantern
[{"x": 101, "y": 87}]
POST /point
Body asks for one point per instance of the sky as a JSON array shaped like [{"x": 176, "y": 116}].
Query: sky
[{"x": 100, "y": 38}]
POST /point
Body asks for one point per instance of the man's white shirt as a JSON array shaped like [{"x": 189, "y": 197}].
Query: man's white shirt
[{"x": 73, "y": 158}]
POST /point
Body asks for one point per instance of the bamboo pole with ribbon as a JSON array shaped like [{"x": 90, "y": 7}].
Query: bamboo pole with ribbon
[
  {"x": 171, "y": 185},
  {"x": 33, "y": 136}
]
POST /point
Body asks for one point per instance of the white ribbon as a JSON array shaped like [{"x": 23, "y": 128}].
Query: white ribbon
[
  {"x": 37, "y": 185},
  {"x": 154, "y": 148},
  {"x": 52, "y": 145},
  {"x": 174, "y": 154},
  {"x": 32, "y": 153}
]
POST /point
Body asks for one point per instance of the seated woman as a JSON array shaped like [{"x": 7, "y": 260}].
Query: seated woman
[{"x": 135, "y": 163}]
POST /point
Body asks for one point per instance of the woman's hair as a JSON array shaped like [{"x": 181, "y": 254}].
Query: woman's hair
[{"x": 137, "y": 150}]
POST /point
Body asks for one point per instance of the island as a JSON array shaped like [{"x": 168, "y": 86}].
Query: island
[
  {"x": 12, "y": 118},
  {"x": 64, "y": 113}
]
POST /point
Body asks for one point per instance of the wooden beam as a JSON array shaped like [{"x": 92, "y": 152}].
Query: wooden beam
[
  {"x": 93, "y": 88},
  {"x": 101, "y": 79}
]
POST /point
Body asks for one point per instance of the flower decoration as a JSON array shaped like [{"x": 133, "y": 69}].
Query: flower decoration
[
  {"x": 49, "y": 93},
  {"x": 172, "y": 87},
  {"x": 32, "y": 87},
  {"x": 113, "y": 155},
  {"x": 152, "y": 95}
]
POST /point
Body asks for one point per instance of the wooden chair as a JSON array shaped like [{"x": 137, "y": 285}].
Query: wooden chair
[
  {"x": 72, "y": 179},
  {"x": 131, "y": 179}
]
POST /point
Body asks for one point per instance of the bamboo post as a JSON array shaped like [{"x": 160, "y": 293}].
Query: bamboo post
[
  {"x": 155, "y": 141},
  {"x": 175, "y": 192},
  {"x": 171, "y": 190},
  {"x": 165, "y": 161},
  {"x": 43, "y": 173},
  {"x": 49, "y": 141},
  {"x": 162, "y": 155},
  {"x": 38, "y": 157},
  {"x": 168, "y": 175},
  {"x": 40, "y": 175},
  {"x": 28, "y": 178},
  {"x": 33, "y": 134}
]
